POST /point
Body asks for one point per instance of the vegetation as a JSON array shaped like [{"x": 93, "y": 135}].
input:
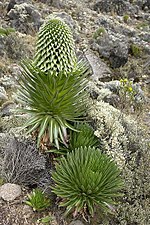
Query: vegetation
[
  {"x": 54, "y": 101},
  {"x": 6, "y": 31},
  {"x": 142, "y": 25},
  {"x": 46, "y": 220},
  {"x": 126, "y": 18},
  {"x": 86, "y": 178},
  {"x": 53, "y": 89},
  {"x": 53, "y": 93},
  {"x": 55, "y": 48},
  {"x": 21, "y": 162},
  {"x": 135, "y": 50},
  {"x": 38, "y": 201},
  {"x": 126, "y": 90},
  {"x": 99, "y": 32},
  {"x": 84, "y": 137}
]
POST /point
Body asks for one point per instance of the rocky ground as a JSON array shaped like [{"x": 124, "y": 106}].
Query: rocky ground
[{"x": 113, "y": 36}]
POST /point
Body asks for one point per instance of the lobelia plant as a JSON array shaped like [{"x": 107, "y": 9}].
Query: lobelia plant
[
  {"x": 54, "y": 103},
  {"x": 83, "y": 138},
  {"x": 38, "y": 201},
  {"x": 55, "y": 48},
  {"x": 53, "y": 86},
  {"x": 86, "y": 178}
]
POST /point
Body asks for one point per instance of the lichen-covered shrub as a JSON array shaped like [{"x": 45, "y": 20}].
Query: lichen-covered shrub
[
  {"x": 21, "y": 162},
  {"x": 127, "y": 143},
  {"x": 135, "y": 206},
  {"x": 109, "y": 129}
]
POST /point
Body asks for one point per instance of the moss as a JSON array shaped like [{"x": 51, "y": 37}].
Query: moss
[
  {"x": 1, "y": 181},
  {"x": 142, "y": 25},
  {"x": 6, "y": 31},
  {"x": 99, "y": 32},
  {"x": 126, "y": 18},
  {"x": 136, "y": 50}
]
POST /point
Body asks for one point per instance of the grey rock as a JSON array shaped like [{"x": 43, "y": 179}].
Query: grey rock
[
  {"x": 115, "y": 49},
  {"x": 12, "y": 46},
  {"x": 12, "y": 3},
  {"x": 7, "y": 107},
  {"x": 100, "y": 70},
  {"x": 76, "y": 222},
  {"x": 3, "y": 94},
  {"x": 25, "y": 17},
  {"x": 143, "y": 4},
  {"x": 113, "y": 100},
  {"x": 54, "y": 3},
  {"x": 119, "y": 55},
  {"x": 10, "y": 192},
  {"x": 139, "y": 93},
  {"x": 117, "y": 6},
  {"x": 112, "y": 85},
  {"x": 118, "y": 32}
]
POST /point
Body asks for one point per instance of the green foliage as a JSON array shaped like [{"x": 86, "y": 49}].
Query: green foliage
[
  {"x": 135, "y": 50},
  {"x": 1, "y": 181},
  {"x": 83, "y": 137},
  {"x": 126, "y": 18},
  {"x": 38, "y": 201},
  {"x": 126, "y": 85},
  {"x": 86, "y": 178},
  {"x": 55, "y": 48},
  {"x": 46, "y": 220},
  {"x": 99, "y": 32},
  {"x": 126, "y": 93},
  {"x": 142, "y": 25},
  {"x": 6, "y": 31},
  {"x": 54, "y": 102}
]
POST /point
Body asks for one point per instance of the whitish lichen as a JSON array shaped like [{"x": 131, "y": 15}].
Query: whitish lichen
[
  {"x": 127, "y": 143},
  {"x": 109, "y": 129}
]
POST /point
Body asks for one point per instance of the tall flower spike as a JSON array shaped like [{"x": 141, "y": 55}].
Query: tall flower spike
[{"x": 55, "y": 48}]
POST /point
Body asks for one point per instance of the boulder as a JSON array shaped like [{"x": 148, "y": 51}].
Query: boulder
[
  {"x": 10, "y": 192},
  {"x": 119, "y": 55},
  {"x": 24, "y": 18},
  {"x": 99, "y": 68},
  {"x": 113, "y": 48},
  {"x": 119, "y": 7}
]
